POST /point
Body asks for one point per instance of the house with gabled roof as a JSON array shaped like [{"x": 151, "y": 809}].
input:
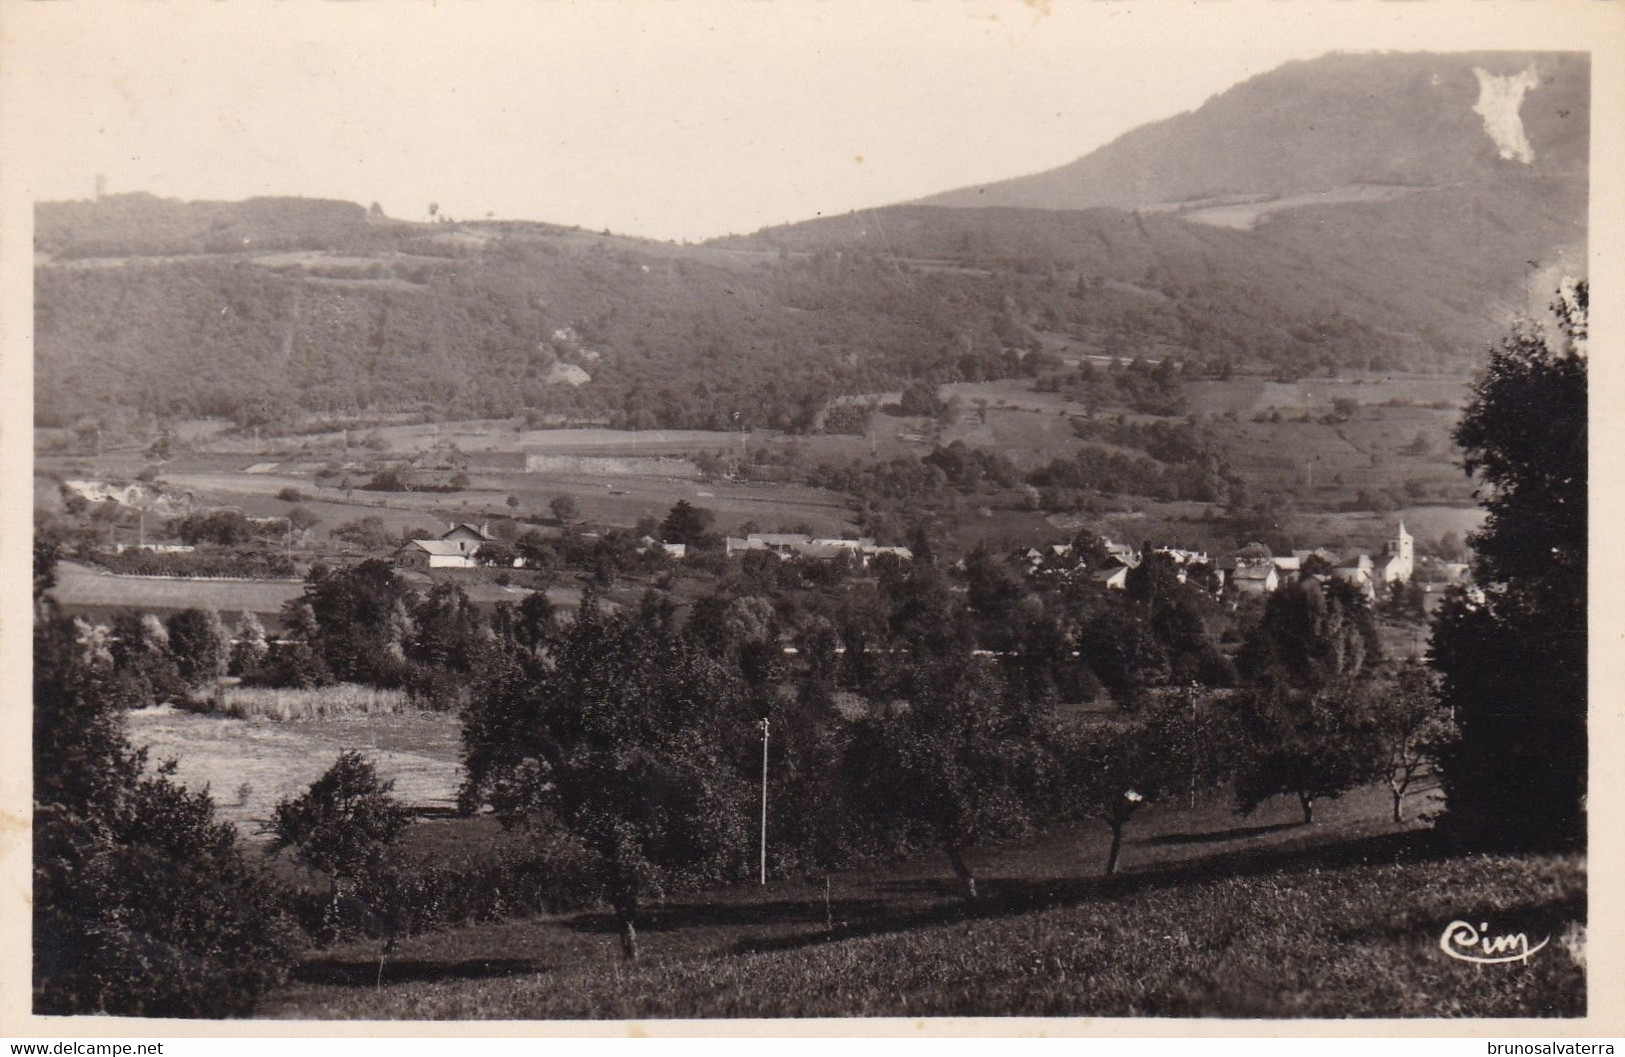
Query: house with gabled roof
[{"x": 435, "y": 554}]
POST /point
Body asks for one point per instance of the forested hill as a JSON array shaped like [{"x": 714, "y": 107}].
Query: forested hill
[
  {"x": 492, "y": 319},
  {"x": 266, "y": 309},
  {"x": 1412, "y": 120}
]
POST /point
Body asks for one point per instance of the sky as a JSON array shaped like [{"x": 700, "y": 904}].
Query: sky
[{"x": 682, "y": 119}]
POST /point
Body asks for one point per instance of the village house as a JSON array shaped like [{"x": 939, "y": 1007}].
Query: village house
[
  {"x": 457, "y": 548},
  {"x": 1114, "y": 579},
  {"x": 789, "y": 545},
  {"x": 1255, "y": 578}
]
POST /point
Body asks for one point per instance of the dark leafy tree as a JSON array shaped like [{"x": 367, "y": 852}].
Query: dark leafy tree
[
  {"x": 362, "y": 621},
  {"x": 952, "y": 761},
  {"x": 345, "y": 823},
  {"x": 1512, "y": 657},
  {"x": 198, "y": 642},
  {"x": 633, "y": 740},
  {"x": 564, "y": 508},
  {"x": 447, "y": 630},
  {"x": 687, "y": 524},
  {"x": 143, "y": 903},
  {"x": 1311, "y": 634},
  {"x": 1108, "y": 771},
  {"x": 249, "y": 649},
  {"x": 1312, "y": 746}
]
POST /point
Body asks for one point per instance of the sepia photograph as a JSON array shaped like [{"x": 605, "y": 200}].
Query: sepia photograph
[{"x": 641, "y": 511}]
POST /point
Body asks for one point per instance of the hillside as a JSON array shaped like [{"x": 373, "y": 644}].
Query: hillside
[
  {"x": 1406, "y": 120},
  {"x": 268, "y": 310}
]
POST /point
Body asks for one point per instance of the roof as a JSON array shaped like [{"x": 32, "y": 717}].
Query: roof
[
  {"x": 1254, "y": 572},
  {"x": 780, "y": 539},
  {"x": 441, "y": 547},
  {"x": 475, "y": 529}
]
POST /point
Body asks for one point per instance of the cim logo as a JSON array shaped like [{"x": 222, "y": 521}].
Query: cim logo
[{"x": 1466, "y": 944}]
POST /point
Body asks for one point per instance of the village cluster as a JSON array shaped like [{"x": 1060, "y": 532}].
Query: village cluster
[{"x": 1251, "y": 571}]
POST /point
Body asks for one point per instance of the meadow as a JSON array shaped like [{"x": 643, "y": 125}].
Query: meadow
[
  {"x": 83, "y": 590},
  {"x": 269, "y": 744}
]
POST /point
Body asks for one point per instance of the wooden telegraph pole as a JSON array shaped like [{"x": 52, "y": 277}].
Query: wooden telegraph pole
[{"x": 764, "y": 801}]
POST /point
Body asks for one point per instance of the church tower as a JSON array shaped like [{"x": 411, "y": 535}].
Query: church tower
[{"x": 1404, "y": 552}]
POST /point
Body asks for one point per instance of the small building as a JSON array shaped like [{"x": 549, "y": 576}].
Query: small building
[
  {"x": 436, "y": 554},
  {"x": 467, "y": 533},
  {"x": 1255, "y": 578},
  {"x": 1356, "y": 569},
  {"x": 733, "y": 545},
  {"x": 1114, "y": 579}
]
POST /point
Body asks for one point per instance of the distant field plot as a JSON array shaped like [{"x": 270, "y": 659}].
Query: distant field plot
[
  {"x": 249, "y": 765},
  {"x": 80, "y": 589},
  {"x": 623, "y": 500},
  {"x": 1249, "y": 395},
  {"x": 1379, "y": 449}
]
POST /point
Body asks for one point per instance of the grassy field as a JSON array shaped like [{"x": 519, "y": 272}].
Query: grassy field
[
  {"x": 250, "y": 764},
  {"x": 83, "y": 590},
  {"x": 1210, "y": 917}
]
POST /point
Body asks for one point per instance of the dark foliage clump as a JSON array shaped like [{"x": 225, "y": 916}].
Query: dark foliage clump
[
  {"x": 1513, "y": 658},
  {"x": 144, "y": 904}
]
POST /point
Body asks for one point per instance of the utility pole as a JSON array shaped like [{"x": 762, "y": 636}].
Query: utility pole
[
  {"x": 764, "y": 801},
  {"x": 1192, "y": 693}
]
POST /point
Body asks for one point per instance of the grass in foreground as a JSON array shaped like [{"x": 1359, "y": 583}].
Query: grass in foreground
[{"x": 1321, "y": 934}]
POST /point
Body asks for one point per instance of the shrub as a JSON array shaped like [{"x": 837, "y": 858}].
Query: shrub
[{"x": 345, "y": 822}]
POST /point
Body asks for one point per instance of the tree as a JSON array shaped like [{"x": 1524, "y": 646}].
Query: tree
[
  {"x": 630, "y": 739},
  {"x": 447, "y": 631},
  {"x": 143, "y": 902},
  {"x": 1310, "y": 635},
  {"x": 564, "y": 508},
  {"x": 47, "y": 551},
  {"x": 1512, "y": 654},
  {"x": 144, "y": 669},
  {"x": 345, "y": 822},
  {"x": 369, "y": 533},
  {"x": 198, "y": 642},
  {"x": 1410, "y": 727},
  {"x": 949, "y": 762},
  {"x": 686, "y": 523},
  {"x": 249, "y": 650},
  {"x": 302, "y": 519},
  {"x": 1109, "y": 771},
  {"x": 1308, "y": 745},
  {"x": 920, "y": 399},
  {"x": 362, "y": 621}
]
